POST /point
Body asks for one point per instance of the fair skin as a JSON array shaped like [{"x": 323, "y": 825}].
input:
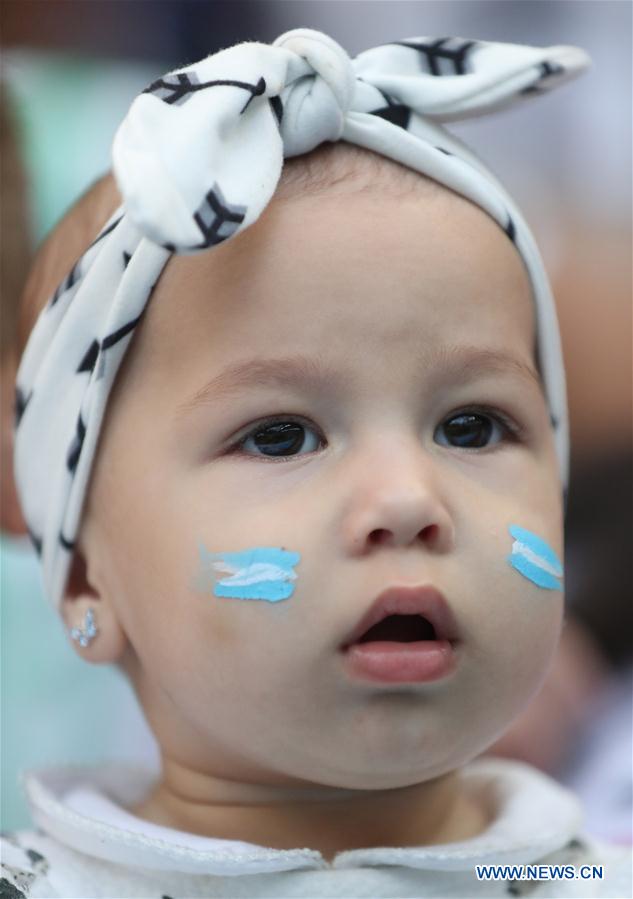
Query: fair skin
[{"x": 264, "y": 737}]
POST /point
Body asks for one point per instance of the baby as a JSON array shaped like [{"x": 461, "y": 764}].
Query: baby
[{"x": 310, "y": 497}]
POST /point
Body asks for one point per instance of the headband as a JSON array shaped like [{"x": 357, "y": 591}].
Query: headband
[{"x": 197, "y": 159}]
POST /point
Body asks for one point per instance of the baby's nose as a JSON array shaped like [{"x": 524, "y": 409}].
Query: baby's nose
[
  {"x": 402, "y": 534},
  {"x": 398, "y": 511}
]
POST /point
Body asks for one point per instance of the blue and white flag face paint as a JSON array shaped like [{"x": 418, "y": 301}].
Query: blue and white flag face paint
[
  {"x": 263, "y": 572},
  {"x": 535, "y": 559}
]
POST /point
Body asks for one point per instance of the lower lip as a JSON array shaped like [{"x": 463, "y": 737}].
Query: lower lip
[{"x": 398, "y": 663}]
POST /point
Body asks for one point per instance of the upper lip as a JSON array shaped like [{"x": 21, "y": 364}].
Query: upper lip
[{"x": 424, "y": 600}]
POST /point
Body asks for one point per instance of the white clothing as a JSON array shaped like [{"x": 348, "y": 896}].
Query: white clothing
[{"x": 88, "y": 845}]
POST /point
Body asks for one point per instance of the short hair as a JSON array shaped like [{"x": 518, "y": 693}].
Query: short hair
[{"x": 351, "y": 168}]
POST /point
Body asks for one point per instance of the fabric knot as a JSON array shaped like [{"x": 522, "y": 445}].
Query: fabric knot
[{"x": 318, "y": 93}]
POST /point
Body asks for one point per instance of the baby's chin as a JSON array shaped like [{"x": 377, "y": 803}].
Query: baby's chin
[
  {"x": 369, "y": 773},
  {"x": 384, "y": 778}
]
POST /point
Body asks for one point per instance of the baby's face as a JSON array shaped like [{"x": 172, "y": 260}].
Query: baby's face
[{"x": 400, "y": 451}]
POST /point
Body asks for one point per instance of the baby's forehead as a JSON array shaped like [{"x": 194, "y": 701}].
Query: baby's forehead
[
  {"x": 318, "y": 276},
  {"x": 350, "y": 182},
  {"x": 330, "y": 168}
]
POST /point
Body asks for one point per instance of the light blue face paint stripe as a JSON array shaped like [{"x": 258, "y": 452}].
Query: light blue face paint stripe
[
  {"x": 263, "y": 572},
  {"x": 272, "y": 591},
  {"x": 534, "y": 559},
  {"x": 538, "y": 546},
  {"x": 533, "y": 573}
]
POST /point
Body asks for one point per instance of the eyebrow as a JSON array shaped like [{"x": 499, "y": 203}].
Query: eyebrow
[
  {"x": 313, "y": 375},
  {"x": 240, "y": 376},
  {"x": 464, "y": 358}
]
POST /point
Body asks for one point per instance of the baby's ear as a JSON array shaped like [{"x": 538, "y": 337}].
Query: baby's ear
[{"x": 91, "y": 620}]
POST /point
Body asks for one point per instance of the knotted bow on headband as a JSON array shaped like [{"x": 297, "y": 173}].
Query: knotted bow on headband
[{"x": 197, "y": 159}]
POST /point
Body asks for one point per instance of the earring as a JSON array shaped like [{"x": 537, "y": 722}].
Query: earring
[{"x": 86, "y": 636}]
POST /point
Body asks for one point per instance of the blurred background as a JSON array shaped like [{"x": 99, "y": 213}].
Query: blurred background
[{"x": 70, "y": 69}]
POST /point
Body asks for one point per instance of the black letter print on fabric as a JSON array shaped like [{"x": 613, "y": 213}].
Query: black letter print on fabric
[
  {"x": 181, "y": 87},
  {"x": 446, "y": 56},
  {"x": 216, "y": 218},
  {"x": 75, "y": 447},
  {"x": 87, "y": 364},
  {"x": 107, "y": 230},
  {"x": 37, "y": 546},
  {"x": 277, "y": 107},
  {"x": 396, "y": 113},
  {"x": 74, "y": 275},
  {"x": 90, "y": 357},
  {"x": 20, "y": 404},
  {"x": 71, "y": 278},
  {"x": 68, "y": 545},
  {"x": 548, "y": 70},
  {"x": 175, "y": 91}
]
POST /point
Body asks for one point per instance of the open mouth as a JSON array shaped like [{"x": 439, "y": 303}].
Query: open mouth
[
  {"x": 400, "y": 629},
  {"x": 408, "y": 634}
]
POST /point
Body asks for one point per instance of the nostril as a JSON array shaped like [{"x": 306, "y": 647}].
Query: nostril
[
  {"x": 380, "y": 536},
  {"x": 430, "y": 534},
  {"x": 435, "y": 536}
]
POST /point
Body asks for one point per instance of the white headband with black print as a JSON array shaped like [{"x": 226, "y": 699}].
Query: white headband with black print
[{"x": 197, "y": 159}]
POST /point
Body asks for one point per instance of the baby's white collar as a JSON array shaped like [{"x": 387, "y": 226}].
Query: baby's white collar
[{"x": 84, "y": 808}]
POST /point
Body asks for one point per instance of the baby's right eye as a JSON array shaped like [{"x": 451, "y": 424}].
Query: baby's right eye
[{"x": 279, "y": 438}]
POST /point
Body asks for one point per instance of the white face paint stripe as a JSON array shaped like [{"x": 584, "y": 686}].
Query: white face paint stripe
[
  {"x": 525, "y": 551},
  {"x": 252, "y": 574}
]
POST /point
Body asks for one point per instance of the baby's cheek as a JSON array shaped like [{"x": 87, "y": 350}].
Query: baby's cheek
[
  {"x": 537, "y": 633},
  {"x": 531, "y": 621},
  {"x": 515, "y": 623},
  {"x": 537, "y": 570}
]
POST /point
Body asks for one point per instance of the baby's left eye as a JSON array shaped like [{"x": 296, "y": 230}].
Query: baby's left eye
[{"x": 473, "y": 429}]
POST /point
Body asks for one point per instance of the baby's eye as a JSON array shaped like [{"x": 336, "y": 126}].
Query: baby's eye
[
  {"x": 280, "y": 438},
  {"x": 473, "y": 429}
]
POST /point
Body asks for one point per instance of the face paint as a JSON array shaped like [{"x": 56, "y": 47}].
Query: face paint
[
  {"x": 263, "y": 572},
  {"x": 534, "y": 559}
]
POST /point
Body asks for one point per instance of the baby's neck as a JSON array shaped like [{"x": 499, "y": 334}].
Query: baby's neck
[{"x": 329, "y": 820}]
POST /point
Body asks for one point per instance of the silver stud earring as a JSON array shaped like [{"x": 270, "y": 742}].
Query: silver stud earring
[{"x": 86, "y": 636}]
